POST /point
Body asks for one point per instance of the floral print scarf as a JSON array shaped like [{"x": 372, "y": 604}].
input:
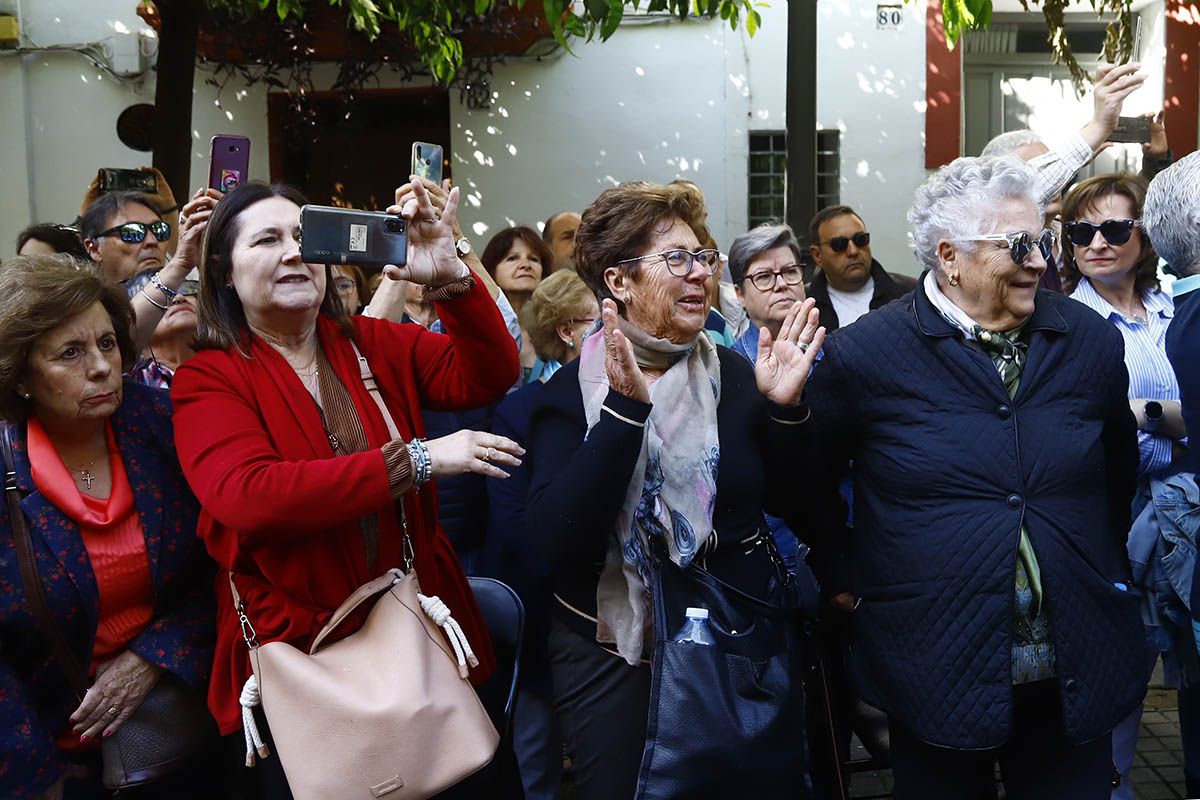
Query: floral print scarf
[{"x": 674, "y": 485}]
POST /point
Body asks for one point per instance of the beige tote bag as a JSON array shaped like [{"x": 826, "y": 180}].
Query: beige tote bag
[{"x": 385, "y": 712}]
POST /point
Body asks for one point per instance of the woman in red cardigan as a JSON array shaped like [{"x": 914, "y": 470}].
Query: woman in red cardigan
[{"x": 288, "y": 453}]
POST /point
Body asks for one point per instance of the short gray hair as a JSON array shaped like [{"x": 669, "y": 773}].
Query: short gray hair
[
  {"x": 752, "y": 244},
  {"x": 1007, "y": 143},
  {"x": 956, "y": 201},
  {"x": 1171, "y": 214}
]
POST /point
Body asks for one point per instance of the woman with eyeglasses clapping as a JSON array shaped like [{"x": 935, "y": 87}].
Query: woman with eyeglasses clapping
[
  {"x": 626, "y": 496},
  {"x": 994, "y": 461}
]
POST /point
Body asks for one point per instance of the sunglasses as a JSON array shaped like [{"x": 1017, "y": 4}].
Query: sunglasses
[
  {"x": 1114, "y": 231},
  {"x": 838, "y": 244},
  {"x": 1020, "y": 245},
  {"x": 135, "y": 232},
  {"x": 679, "y": 262},
  {"x": 189, "y": 288},
  {"x": 764, "y": 281}
]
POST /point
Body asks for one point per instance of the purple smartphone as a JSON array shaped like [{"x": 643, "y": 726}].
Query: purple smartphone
[{"x": 228, "y": 162}]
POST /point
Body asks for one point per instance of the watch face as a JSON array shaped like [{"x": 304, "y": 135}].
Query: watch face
[{"x": 463, "y": 246}]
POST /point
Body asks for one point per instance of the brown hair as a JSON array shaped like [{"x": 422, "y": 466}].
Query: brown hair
[
  {"x": 220, "y": 319},
  {"x": 1085, "y": 195},
  {"x": 556, "y": 301},
  {"x": 620, "y": 222},
  {"x": 39, "y": 293},
  {"x": 499, "y": 245}
]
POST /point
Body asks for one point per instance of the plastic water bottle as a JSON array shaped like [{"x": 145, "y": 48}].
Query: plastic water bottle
[{"x": 695, "y": 629}]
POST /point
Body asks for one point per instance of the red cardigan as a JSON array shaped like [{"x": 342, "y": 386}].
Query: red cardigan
[{"x": 282, "y": 512}]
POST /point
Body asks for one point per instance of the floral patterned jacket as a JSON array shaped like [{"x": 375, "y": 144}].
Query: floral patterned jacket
[{"x": 35, "y": 697}]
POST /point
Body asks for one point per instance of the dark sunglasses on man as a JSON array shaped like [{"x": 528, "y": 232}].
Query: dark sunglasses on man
[
  {"x": 838, "y": 244},
  {"x": 135, "y": 232},
  {"x": 1114, "y": 231}
]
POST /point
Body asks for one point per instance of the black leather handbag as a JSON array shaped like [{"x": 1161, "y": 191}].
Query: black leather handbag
[
  {"x": 726, "y": 720},
  {"x": 172, "y": 725}
]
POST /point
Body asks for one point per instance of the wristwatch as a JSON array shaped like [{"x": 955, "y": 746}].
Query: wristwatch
[
  {"x": 462, "y": 246},
  {"x": 1154, "y": 414}
]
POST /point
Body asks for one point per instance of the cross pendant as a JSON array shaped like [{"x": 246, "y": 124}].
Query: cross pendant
[
  {"x": 334, "y": 444},
  {"x": 87, "y": 477}
]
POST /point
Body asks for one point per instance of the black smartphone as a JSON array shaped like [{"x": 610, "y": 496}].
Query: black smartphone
[
  {"x": 331, "y": 235},
  {"x": 1131, "y": 129},
  {"x": 113, "y": 179},
  {"x": 427, "y": 161}
]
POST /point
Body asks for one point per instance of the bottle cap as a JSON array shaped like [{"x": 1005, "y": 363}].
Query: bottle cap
[{"x": 697, "y": 613}]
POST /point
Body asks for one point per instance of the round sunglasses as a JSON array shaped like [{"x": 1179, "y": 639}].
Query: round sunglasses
[
  {"x": 135, "y": 232},
  {"x": 1114, "y": 231}
]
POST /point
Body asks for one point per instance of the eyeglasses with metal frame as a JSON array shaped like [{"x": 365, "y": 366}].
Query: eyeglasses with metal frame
[
  {"x": 838, "y": 244},
  {"x": 1020, "y": 244},
  {"x": 135, "y": 232},
  {"x": 1115, "y": 231},
  {"x": 764, "y": 280},
  {"x": 679, "y": 262}
]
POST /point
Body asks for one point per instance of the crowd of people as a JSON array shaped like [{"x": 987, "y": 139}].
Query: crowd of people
[{"x": 964, "y": 504}]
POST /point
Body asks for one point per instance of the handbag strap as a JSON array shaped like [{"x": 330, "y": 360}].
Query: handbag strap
[
  {"x": 368, "y": 379},
  {"x": 360, "y": 595},
  {"x": 35, "y": 593}
]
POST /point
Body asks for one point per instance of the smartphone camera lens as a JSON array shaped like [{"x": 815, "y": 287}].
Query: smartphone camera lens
[{"x": 394, "y": 225}]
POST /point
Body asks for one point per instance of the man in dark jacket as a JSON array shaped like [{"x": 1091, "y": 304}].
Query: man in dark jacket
[{"x": 849, "y": 282}]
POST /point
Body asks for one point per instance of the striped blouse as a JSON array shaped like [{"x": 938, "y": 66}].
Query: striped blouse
[{"x": 1150, "y": 373}]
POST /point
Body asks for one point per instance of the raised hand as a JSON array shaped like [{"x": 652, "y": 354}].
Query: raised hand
[
  {"x": 624, "y": 374},
  {"x": 1113, "y": 83},
  {"x": 193, "y": 220},
  {"x": 784, "y": 362},
  {"x": 432, "y": 259}
]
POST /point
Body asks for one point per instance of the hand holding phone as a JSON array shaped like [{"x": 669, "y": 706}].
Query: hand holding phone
[{"x": 432, "y": 258}]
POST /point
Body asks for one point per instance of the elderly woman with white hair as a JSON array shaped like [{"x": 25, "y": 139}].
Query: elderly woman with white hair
[{"x": 994, "y": 458}]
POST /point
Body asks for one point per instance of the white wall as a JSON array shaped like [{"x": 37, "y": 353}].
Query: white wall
[{"x": 871, "y": 86}]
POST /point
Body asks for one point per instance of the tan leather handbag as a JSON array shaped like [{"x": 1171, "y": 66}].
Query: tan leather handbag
[{"x": 384, "y": 712}]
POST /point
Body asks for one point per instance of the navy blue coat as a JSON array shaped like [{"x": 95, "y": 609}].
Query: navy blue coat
[
  {"x": 946, "y": 468},
  {"x": 35, "y": 697}
]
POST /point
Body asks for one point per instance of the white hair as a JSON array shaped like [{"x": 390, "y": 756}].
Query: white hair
[
  {"x": 1171, "y": 214},
  {"x": 1007, "y": 143},
  {"x": 956, "y": 201}
]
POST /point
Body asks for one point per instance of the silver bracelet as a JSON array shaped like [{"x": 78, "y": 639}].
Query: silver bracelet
[
  {"x": 170, "y": 293},
  {"x": 153, "y": 302},
  {"x": 422, "y": 466}
]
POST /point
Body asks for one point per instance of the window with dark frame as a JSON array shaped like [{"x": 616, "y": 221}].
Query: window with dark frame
[{"x": 768, "y": 173}]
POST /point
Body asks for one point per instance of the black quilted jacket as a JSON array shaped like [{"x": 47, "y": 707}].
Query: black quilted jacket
[{"x": 946, "y": 467}]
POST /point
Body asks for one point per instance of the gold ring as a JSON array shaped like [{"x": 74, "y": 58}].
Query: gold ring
[
  {"x": 112, "y": 711},
  {"x": 487, "y": 456}
]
